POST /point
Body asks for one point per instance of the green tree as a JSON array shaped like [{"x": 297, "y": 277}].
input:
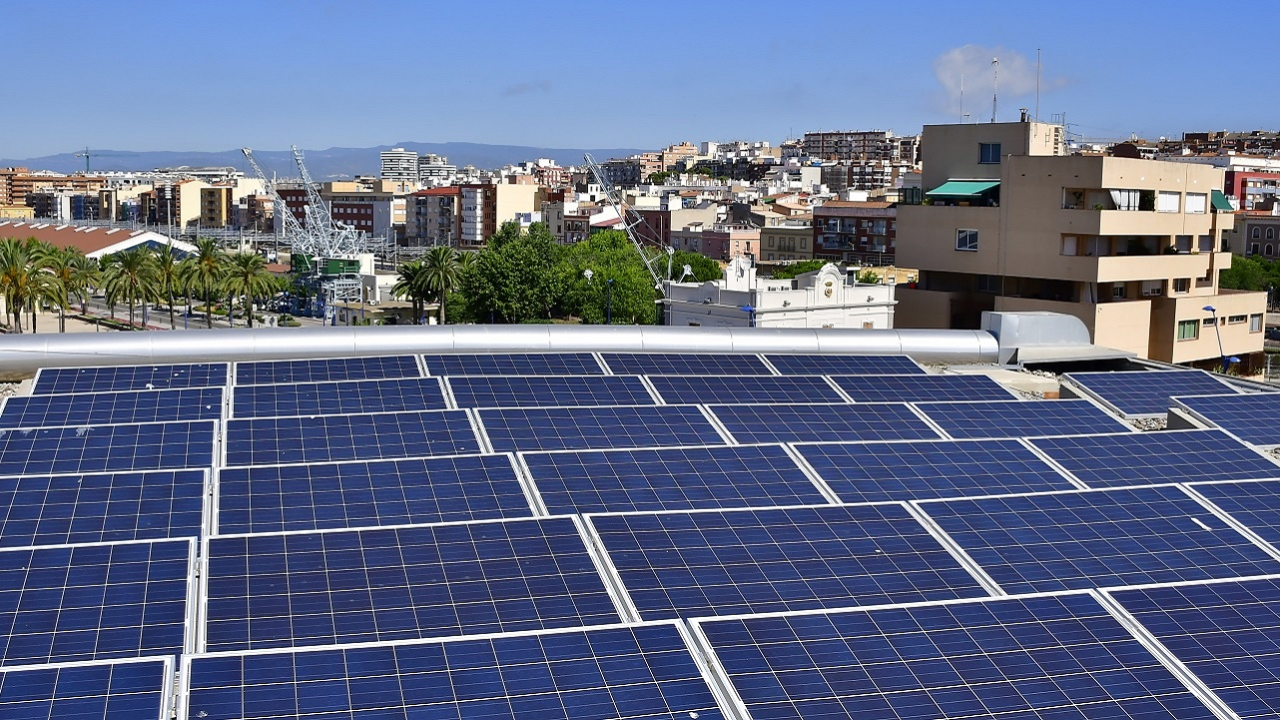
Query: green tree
[
  {"x": 703, "y": 267},
  {"x": 205, "y": 271},
  {"x": 61, "y": 266},
  {"x": 868, "y": 277},
  {"x": 514, "y": 279},
  {"x": 617, "y": 289},
  {"x": 168, "y": 277},
  {"x": 1245, "y": 273},
  {"x": 131, "y": 277},
  {"x": 86, "y": 274},
  {"x": 22, "y": 279},
  {"x": 787, "y": 272},
  {"x": 441, "y": 271},
  {"x": 411, "y": 283},
  {"x": 247, "y": 277}
]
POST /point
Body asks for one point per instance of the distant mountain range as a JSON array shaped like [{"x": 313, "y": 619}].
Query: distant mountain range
[{"x": 333, "y": 163}]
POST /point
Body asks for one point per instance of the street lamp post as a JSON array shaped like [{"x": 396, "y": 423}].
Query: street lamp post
[
  {"x": 608, "y": 303},
  {"x": 1217, "y": 329}
]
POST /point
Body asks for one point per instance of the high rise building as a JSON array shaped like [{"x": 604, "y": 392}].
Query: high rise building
[{"x": 399, "y": 165}]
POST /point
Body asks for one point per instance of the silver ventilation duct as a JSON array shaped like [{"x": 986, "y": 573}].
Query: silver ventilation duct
[{"x": 22, "y": 355}]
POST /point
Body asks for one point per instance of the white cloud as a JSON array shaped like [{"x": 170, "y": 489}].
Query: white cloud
[{"x": 970, "y": 67}]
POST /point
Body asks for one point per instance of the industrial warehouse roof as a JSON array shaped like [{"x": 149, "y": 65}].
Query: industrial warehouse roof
[
  {"x": 594, "y": 535},
  {"x": 94, "y": 242}
]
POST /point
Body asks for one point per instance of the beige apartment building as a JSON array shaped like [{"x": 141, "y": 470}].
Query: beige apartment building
[{"x": 1132, "y": 247}]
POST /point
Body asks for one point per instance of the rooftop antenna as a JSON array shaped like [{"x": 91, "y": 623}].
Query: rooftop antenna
[
  {"x": 963, "y": 115},
  {"x": 995, "y": 85},
  {"x": 1037, "y": 83}
]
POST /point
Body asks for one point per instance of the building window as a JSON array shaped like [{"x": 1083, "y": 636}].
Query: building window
[
  {"x": 967, "y": 240},
  {"x": 1268, "y": 250},
  {"x": 1271, "y": 233},
  {"x": 1257, "y": 233},
  {"x": 1168, "y": 202},
  {"x": 1196, "y": 203},
  {"x": 989, "y": 153},
  {"x": 1236, "y": 319},
  {"x": 1181, "y": 285},
  {"x": 1253, "y": 248},
  {"x": 1255, "y": 323},
  {"x": 1188, "y": 329},
  {"x": 1117, "y": 292}
]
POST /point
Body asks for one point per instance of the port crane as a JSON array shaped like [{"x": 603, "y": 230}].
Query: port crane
[{"x": 630, "y": 221}]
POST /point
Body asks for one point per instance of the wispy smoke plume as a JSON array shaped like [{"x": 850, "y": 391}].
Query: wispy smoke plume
[{"x": 1017, "y": 74}]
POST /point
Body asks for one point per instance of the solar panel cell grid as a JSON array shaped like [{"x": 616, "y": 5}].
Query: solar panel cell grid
[
  {"x": 669, "y": 479},
  {"x": 1147, "y": 393},
  {"x": 514, "y": 364},
  {"x": 1227, "y": 634},
  {"x": 135, "y": 690},
  {"x": 276, "y": 441},
  {"x": 822, "y": 423},
  {"x": 920, "y": 388},
  {"x": 1039, "y": 658},
  {"x": 270, "y": 372},
  {"x": 924, "y": 470},
  {"x": 641, "y": 672},
  {"x": 348, "y": 397},
  {"x": 93, "y": 602},
  {"x": 63, "y": 509},
  {"x": 684, "y": 364},
  {"x": 1255, "y": 504},
  {"x": 528, "y": 391},
  {"x": 1254, "y": 418},
  {"x": 381, "y": 492},
  {"x": 107, "y": 448},
  {"x": 112, "y": 408},
  {"x": 401, "y": 583},
  {"x": 740, "y": 561},
  {"x": 1019, "y": 418},
  {"x": 1130, "y": 536},
  {"x": 796, "y": 388},
  {"x": 132, "y": 377},
  {"x": 1156, "y": 457},
  {"x": 844, "y": 364},
  {"x": 585, "y": 428}
]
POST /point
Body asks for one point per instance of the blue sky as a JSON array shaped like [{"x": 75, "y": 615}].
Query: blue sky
[{"x": 217, "y": 76}]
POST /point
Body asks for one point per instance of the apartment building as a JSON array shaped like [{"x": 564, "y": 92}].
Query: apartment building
[
  {"x": 853, "y": 145},
  {"x": 858, "y": 232},
  {"x": 378, "y": 210},
  {"x": 175, "y": 203},
  {"x": 399, "y": 165},
  {"x": 726, "y": 241},
  {"x": 1257, "y": 233},
  {"x": 1132, "y": 247},
  {"x": 484, "y": 207},
  {"x": 433, "y": 216},
  {"x": 17, "y": 182},
  {"x": 789, "y": 242}
]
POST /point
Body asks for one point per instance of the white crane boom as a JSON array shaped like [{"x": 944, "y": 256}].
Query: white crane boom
[{"x": 630, "y": 219}]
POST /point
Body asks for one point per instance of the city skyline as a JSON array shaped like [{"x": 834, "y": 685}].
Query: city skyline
[{"x": 335, "y": 75}]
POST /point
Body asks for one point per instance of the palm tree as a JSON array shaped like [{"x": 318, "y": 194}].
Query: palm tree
[
  {"x": 60, "y": 264},
  {"x": 86, "y": 273},
  {"x": 441, "y": 270},
  {"x": 167, "y": 270},
  {"x": 131, "y": 276},
  {"x": 411, "y": 284},
  {"x": 248, "y": 278},
  {"x": 204, "y": 271},
  {"x": 17, "y": 277}
]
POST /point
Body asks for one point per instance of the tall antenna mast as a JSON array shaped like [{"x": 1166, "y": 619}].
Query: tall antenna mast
[
  {"x": 995, "y": 85},
  {"x": 1037, "y": 83}
]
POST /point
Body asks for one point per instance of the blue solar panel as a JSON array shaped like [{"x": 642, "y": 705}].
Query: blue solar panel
[
  {"x": 586, "y": 428},
  {"x": 61, "y": 509},
  {"x": 1226, "y": 633},
  {"x": 547, "y": 391},
  {"x": 669, "y": 479},
  {"x": 116, "y": 690},
  {"x": 1127, "y": 536},
  {"x": 128, "y": 377},
  {"x": 920, "y": 388},
  {"x": 381, "y": 492},
  {"x": 1254, "y": 418},
  {"x": 112, "y": 408},
  {"x": 1146, "y": 393},
  {"x": 419, "y": 581},
  {"x": 337, "y": 398},
  {"x": 1060, "y": 657},
  {"x": 1020, "y": 418},
  {"x": 514, "y": 364},
  {"x": 276, "y": 441},
  {"x": 714, "y": 562},
  {"x": 1157, "y": 457},
  {"x": 684, "y": 364},
  {"x": 927, "y": 469},
  {"x": 107, "y": 448},
  {"x": 796, "y": 388},
  {"x": 270, "y": 372},
  {"x": 844, "y": 364},
  {"x": 815, "y": 423},
  {"x": 642, "y": 672},
  {"x": 1255, "y": 504},
  {"x": 94, "y": 602}
]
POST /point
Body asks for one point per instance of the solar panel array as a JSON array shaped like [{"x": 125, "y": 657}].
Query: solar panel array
[
  {"x": 512, "y": 535},
  {"x": 1137, "y": 394}
]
